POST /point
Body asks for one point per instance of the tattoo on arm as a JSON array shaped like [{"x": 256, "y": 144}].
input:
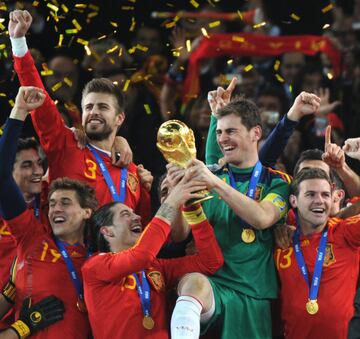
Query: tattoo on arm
[{"x": 167, "y": 212}]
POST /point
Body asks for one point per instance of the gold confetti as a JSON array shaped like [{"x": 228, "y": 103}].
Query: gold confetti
[
  {"x": 147, "y": 109},
  {"x": 204, "y": 32},
  {"x": 94, "y": 7},
  {"x": 279, "y": 78},
  {"x": 64, "y": 8},
  {"x": 133, "y": 24},
  {"x": 71, "y": 31},
  {"x": 56, "y": 86},
  {"x": 260, "y": 24},
  {"x": 92, "y": 14},
  {"x": 237, "y": 38},
  {"x": 53, "y": 7},
  {"x": 126, "y": 85},
  {"x": 127, "y": 8},
  {"x": 2, "y": 95},
  {"x": 82, "y": 41},
  {"x": 112, "y": 49},
  {"x": 81, "y": 6},
  {"x": 2, "y": 46},
  {"x": 277, "y": 65},
  {"x": 290, "y": 88},
  {"x": 61, "y": 38},
  {"x": 170, "y": 24},
  {"x": 194, "y": 3},
  {"x": 330, "y": 76},
  {"x": 113, "y": 24},
  {"x": 239, "y": 14},
  {"x": 12, "y": 103},
  {"x": 188, "y": 45},
  {"x": 68, "y": 81},
  {"x": 47, "y": 72},
  {"x": 2, "y": 27},
  {"x": 35, "y": 3},
  {"x": 230, "y": 61},
  {"x": 248, "y": 68},
  {"x": 142, "y": 48},
  {"x": 76, "y": 24},
  {"x": 214, "y": 24},
  {"x": 294, "y": 16},
  {"x": 176, "y": 53},
  {"x": 3, "y": 6},
  {"x": 87, "y": 49},
  {"x": 327, "y": 8},
  {"x": 1, "y": 131},
  {"x": 326, "y": 26}
]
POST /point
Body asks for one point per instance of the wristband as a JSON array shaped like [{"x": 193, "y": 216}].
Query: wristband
[
  {"x": 19, "y": 46},
  {"x": 194, "y": 217},
  {"x": 9, "y": 292},
  {"x": 21, "y": 329}
]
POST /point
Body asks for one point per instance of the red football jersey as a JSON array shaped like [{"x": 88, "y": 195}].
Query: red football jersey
[
  {"x": 67, "y": 160},
  {"x": 41, "y": 271},
  {"x": 337, "y": 285},
  {"x": 110, "y": 289}
]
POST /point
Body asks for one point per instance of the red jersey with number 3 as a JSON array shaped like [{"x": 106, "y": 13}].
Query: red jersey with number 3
[
  {"x": 41, "y": 271},
  {"x": 65, "y": 159},
  {"x": 337, "y": 285}
]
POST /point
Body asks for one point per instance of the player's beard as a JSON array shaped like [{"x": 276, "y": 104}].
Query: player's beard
[{"x": 98, "y": 135}]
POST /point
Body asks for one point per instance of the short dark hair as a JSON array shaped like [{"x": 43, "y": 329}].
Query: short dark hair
[
  {"x": 102, "y": 217},
  {"x": 308, "y": 174},
  {"x": 243, "y": 108},
  {"x": 104, "y": 85},
  {"x": 310, "y": 154},
  {"x": 85, "y": 194},
  {"x": 27, "y": 143}
]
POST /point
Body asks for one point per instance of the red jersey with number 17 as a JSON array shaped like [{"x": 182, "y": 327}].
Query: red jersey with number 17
[
  {"x": 41, "y": 271},
  {"x": 67, "y": 160},
  {"x": 337, "y": 284}
]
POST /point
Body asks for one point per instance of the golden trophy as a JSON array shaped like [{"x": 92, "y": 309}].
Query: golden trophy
[{"x": 176, "y": 142}]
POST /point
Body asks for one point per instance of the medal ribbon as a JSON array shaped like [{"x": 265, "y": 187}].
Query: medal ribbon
[
  {"x": 315, "y": 284},
  {"x": 255, "y": 177},
  {"x": 107, "y": 177},
  {"x": 71, "y": 269},
  {"x": 36, "y": 206},
  {"x": 144, "y": 293}
]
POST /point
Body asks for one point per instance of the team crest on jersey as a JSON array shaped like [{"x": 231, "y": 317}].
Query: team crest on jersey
[
  {"x": 132, "y": 182},
  {"x": 156, "y": 280},
  {"x": 329, "y": 255}
]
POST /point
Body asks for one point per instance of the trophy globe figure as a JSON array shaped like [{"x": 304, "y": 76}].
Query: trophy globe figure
[{"x": 176, "y": 142}]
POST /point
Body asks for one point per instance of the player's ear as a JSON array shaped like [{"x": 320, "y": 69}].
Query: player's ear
[
  {"x": 107, "y": 231},
  {"x": 293, "y": 200}
]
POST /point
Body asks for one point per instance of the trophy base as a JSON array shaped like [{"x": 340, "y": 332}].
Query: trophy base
[{"x": 207, "y": 196}]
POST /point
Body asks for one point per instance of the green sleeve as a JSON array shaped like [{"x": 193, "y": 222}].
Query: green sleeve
[{"x": 212, "y": 151}]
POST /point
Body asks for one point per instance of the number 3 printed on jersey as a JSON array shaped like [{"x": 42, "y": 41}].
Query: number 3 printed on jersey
[{"x": 90, "y": 171}]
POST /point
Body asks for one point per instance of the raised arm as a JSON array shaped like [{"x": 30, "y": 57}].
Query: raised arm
[
  {"x": 334, "y": 156},
  {"x": 11, "y": 198},
  {"x": 46, "y": 119},
  {"x": 114, "y": 267}
]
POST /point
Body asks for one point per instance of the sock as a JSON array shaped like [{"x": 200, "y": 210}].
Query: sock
[{"x": 185, "y": 320}]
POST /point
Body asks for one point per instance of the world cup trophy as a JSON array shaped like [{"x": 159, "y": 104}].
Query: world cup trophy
[{"x": 176, "y": 142}]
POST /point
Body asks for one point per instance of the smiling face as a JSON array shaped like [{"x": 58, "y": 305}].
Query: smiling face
[
  {"x": 313, "y": 203},
  {"x": 237, "y": 143},
  {"x": 27, "y": 172},
  {"x": 101, "y": 117},
  {"x": 67, "y": 218},
  {"x": 125, "y": 230}
]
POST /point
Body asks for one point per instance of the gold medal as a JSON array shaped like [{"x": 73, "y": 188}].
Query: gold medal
[
  {"x": 248, "y": 235},
  {"x": 148, "y": 323},
  {"x": 80, "y": 304},
  {"x": 312, "y": 307}
]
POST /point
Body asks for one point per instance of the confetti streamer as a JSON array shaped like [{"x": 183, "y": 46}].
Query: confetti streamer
[
  {"x": 248, "y": 68},
  {"x": 327, "y": 8},
  {"x": 295, "y": 17}
]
